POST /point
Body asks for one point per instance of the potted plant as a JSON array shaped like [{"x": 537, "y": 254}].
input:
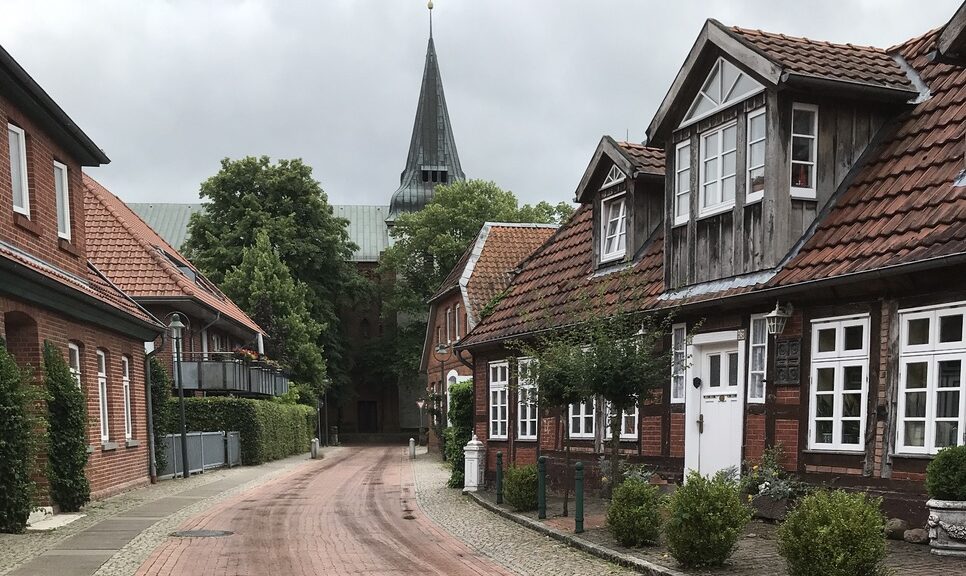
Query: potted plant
[
  {"x": 770, "y": 489},
  {"x": 946, "y": 484}
]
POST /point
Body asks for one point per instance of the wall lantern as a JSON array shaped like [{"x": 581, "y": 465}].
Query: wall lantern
[{"x": 777, "y": 318}]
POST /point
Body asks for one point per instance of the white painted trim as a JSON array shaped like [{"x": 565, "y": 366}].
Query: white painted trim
[
  {"x": 764, "y": 371},
  {"x": 714, "y": 337},
  {"x": 604, "y": 221},
  {"x": 25, "y": 209},
  {"x": 722, "y": 205},
  {"x": 682, "y": 218},
  {"x": 62, "y": 199},
  {"x": 752, "y": 197},
  {"x": 796, "y": 192},
  {"x": 724, "y": 104}
]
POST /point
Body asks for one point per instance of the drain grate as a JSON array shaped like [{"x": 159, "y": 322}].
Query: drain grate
[
  {"x": 409, "y": 517},
  {"x": 201, "y": 533}
]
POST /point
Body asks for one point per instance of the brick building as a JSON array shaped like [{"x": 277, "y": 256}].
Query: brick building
[
  {"x": 827, "y": 178},
  {"x": 51, "y": 291}
]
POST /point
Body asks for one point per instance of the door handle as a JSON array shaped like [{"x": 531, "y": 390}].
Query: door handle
[{"x": 700, "y": 423}]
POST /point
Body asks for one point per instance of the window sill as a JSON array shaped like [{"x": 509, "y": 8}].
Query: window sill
[
  {"x": 132, "y": 443},
  {"x": 497, "y": 438},
  {"x": 838, "y": 451},
  {"x": 26, "y": 223},
  {"x": 682, "y": 222},
  {"x": 66, "y": 246},
  {"x": 716, "y": 210},
  {"x": 108, "y": 446},
  {"x": 612, "y": 258},
  {"x": 526, "y": 439},
  {"x": 802, "y": 194},
  {"x": 749, "y": 200},
  {"x": 907, "y": 456}
]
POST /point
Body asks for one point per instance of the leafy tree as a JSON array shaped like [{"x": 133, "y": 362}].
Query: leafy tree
[
  {"x": 67, "y": 455},
  {"x": 262, "y": 285},
  {"x": 17, "y": 445},
  {"x": 253, "y": 194},
  {"x": 160, "y": 410}
]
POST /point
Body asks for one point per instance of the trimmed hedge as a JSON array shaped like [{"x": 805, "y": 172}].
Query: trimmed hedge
[
  {"x": 705, "y": 520},
  {"x": 634, "y": 514},
  {"x": 456, "y": 436},
  {"x": 946, "y": 474},
  {"x": 17, "y": 444},
  {"x": 67, "y": 452},
  {"x": 520, "y": 487},
  {"x": 161, "y": 410},
  {"x": 269, "y": 430}
]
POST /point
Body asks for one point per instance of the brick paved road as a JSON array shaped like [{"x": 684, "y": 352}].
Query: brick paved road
[{"x": 354, "y": 513}]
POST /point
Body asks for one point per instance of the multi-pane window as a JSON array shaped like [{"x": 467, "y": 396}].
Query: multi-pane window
[
  {"x": 102, "y": 395},
  {"x": 126, "y": 383},
  {"x": 499, "y": 380},
  {"x": 719, "y": 155},
  {"x": 63, "y": 200},
  {"x": 678, "y": 364},
  {"x": 932, "y": 370},
  {"x": 614, "y": 228},
  {"x": 527, "y": 414},
  {"x": 74, "y": 363},
  {"x": 804, "y": 150},
  {"x": 17, "y": 141},
  {"x": 456, "y": 320},
  {"x": 628, "y": 422},
  {"x": 757, "y": 366},
  {"x": 839, "y": 383},
  {"x": 756, "y": 156},
  {"x": 582, "y": 419},
  {"x": 725, "y": 85},
  {"x": 682, "y": 182}
]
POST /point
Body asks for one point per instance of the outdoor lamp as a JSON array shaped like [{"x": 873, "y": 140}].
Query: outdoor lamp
[
  {"x": 176, "y": 326},
  {"x": 777, "y": 318}
]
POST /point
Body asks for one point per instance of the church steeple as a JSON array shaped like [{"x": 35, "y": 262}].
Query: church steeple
[{"x": 432, "y": 155}]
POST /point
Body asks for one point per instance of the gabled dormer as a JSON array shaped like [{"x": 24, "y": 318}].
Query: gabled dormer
[
  {"x": 760, "y": 130},
  {"x": 624, "y": 184}
]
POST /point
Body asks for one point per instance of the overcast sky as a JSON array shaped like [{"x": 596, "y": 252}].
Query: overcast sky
[{"x": 168, "y": 88}]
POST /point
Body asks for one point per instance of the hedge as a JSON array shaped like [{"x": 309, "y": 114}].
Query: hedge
[
  {"x": 17, "y": 444},
  {"x": 67, "y": 451},
  {"x": 269, "y": 430}
]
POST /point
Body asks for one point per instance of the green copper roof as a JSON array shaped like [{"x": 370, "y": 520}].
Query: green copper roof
[{"x": 170, "y": 221}]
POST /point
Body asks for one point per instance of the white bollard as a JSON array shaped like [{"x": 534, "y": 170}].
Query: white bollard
[
  {"x": 474, "y": 466},
  {"x": 315, "y": 448},
  {"x": 412, "y": 448}
]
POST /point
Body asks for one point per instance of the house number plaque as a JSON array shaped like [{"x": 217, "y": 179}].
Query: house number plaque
[{"x": 788, "y": 361}]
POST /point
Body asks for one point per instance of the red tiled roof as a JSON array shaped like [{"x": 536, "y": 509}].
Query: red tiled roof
[
  {"x": 843, "y": 62},
  {"x": 647, "y": 159},
  {"x": 133, "y": 256},
  {"x": 903, "y": 206}
]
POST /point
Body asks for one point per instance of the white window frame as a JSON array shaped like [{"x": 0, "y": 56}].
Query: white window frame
[
  {"x": 726, "y": 102},
  {"x": 582, "y": 411},
  {"x": 63, "y": 199},
  {"x": 102, "y": 399},
  {"x": 931, "y": 354},
  {"x": 619, "y": 231},
  {"x": 74, "y": 363},
  {"x": 721, "y": 205},
  {"x": 528, "y": 417},
  {"x": 449, "y": 324},
  {"x": 499, "y": 376},
  {"x": 750, "y": 196},
  {"x": 25, "y": 185},
  {"x": 629, "y": 415},
  {"x": 757, "y": 325},
  {"x": 838, "y": 360},
  {"x": 799, "y": 192},
  {"x": 682, "y": 198},
  {"x": 614, "y": 177},
  {"x": 679, "y": 362},
  {"x": 456, "y": 318},
  {"x": 126, "y": 384}
]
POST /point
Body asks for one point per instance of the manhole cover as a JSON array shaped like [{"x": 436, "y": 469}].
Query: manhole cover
[{"x": 201, "y": 533}]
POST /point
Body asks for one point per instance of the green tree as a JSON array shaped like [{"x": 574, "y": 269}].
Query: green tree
[
  {"x": 160, "y": 410},
  {"x": 67, "y": 453},
  {"x": 17, "y": 444},
  {"x": 262, "y": 285},
  {"x": 254, "y": 194}
]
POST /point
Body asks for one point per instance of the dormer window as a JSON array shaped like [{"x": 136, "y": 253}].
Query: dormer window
[
  {"x": 718, "y": 167},
  {"x": 682, "y": 182},
  {"x": 613, "y": 228},
  {"x": 614, "y": 176},
  {"x": 756, "y": 156},
  {"x": 725, "y": 85},
  {"x": 804, "y": 147}
]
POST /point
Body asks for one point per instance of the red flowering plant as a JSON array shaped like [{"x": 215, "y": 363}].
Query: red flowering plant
[{"x": 245, "y": 354}]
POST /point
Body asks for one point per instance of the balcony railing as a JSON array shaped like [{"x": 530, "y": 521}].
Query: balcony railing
[{"x": 222, "y": 372}]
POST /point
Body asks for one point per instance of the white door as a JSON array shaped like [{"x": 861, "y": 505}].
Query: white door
[{"x": 714, "y": 410}]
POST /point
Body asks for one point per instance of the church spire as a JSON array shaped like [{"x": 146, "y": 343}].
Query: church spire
[{"x": 432, "y": 155}]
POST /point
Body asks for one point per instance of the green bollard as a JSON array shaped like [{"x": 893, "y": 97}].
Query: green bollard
[
  {"x": 542, "y": 487},
  {"x": 499, "y": 477},
  {"x": 579, "y": 499}
]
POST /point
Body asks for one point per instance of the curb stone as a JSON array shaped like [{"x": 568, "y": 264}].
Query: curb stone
[{"x": 627, "y": 561}]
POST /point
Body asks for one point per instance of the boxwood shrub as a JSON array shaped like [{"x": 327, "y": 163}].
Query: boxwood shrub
[
  {"x": 520, "y": 487},
  {"x": 269, "y": 430},
  {"x": 705, "y": 519},
  {"x": 946, "y": 474},
  {"x": 67, "y": 441},
  {"x": 834, "y": 533},
  {"x": 634, "y": 514}
]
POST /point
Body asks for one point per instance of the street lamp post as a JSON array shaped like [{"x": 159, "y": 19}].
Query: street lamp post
[
  {"x": 440, "y": 353},
  {"x": 421, "y": 402},
  {"x": 176, "y": 327}
]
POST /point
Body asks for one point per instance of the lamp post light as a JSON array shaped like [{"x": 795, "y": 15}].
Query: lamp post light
[
  {"x": 776, "y": 319},
  {"x": 421, "y": 402},
  {"x": 440, "y": 353},
  {"x": 176, "y": 327}
]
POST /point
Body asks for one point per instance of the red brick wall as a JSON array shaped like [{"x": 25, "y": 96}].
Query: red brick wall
[
  {"x": 38, "y": 234},
  {"x": 754, "y": 437},
  {"x": 651, "y": 439},
  {"x": 786, "y": 434},
  {"x": 677, "y": 435},
  {"x": 109, "y": 471}
]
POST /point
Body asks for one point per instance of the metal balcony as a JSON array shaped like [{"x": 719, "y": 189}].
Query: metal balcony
[{"x": 222, "y": 372}]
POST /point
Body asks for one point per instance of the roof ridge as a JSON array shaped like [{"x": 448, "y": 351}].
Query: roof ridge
[
  {"x": 522, "y": 224},
  {"x": 808, "y": 40}
]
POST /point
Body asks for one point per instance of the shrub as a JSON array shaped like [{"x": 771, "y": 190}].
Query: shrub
[
  {"x": 769, "y": 478},
  {"x": 461, "y": 405},
  {"x": 17, "y": 427},
  {"x": 454, "y": 440},
  {"x": 520, "y": 487},
  {"x": 634, "y": 514},
  {"x": 160, "y": 411},
  {"x": 67, "y": 452},
  {"x": 946, "y": 474},
  {"x": 834, "y": 533},
  {"x": 456, "y": 436},
  {"x": 269, "y": 430},
  {"x": 705, "y": 520}
]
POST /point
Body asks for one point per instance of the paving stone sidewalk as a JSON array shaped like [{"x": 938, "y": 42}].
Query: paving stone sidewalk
[
  {"x": 507, "y": 543},
  {"x": 119, "y": 532}
]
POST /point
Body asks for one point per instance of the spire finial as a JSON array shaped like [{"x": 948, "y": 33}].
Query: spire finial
[{"x": 430, "y": 6}]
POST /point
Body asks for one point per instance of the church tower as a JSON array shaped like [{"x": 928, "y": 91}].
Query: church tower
[{"x": 432, "y": 155}]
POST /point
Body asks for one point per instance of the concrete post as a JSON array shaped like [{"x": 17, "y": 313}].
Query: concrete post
[
  {"x": 499, "y": 477},
  {"x": 542, "y": 487},
  {"x": 579, "y": 499},
  {"x": 474, "y": 454},
  {"x": 315, "y": 448},
  {"x": 412, "y": 448}
]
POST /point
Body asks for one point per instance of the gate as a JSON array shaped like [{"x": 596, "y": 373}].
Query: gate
[{"x": 206, "y": 451}]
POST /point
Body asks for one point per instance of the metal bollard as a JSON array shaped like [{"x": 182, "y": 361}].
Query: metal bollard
[
  {"x": 412, "y": 448},
  {"x": 499, "y": 477},
  {"x": 579, "y": 499},
  {"x": 542, "y": 487}
]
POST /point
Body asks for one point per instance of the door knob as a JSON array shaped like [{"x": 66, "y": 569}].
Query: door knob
[{"x": 700, "y": 423}]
